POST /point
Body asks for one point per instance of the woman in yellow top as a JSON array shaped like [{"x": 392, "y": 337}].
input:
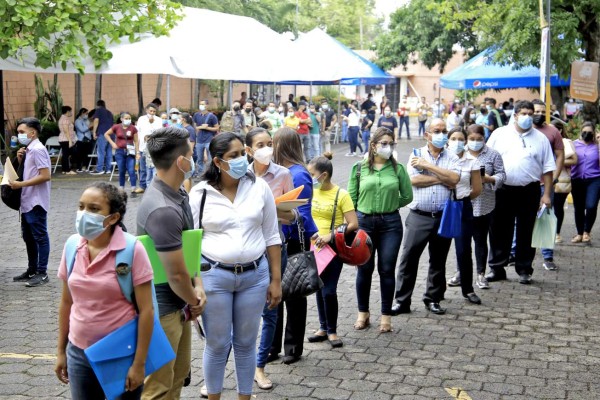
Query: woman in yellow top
[
  {"x": 291, "y": 120},
  {"x": 67, "y": 139},
  {"x": 326, "y": 198}
]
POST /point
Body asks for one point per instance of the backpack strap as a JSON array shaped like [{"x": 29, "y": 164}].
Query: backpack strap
[
  {"x": 358, "y": 172},
  {"x": 335, "y": 210},
  {"x": 71, "y": 252},
  {"x": 201, "y": 213}
]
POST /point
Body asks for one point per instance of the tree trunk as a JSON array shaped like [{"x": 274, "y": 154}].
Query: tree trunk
[
  {"x": 98, "y": 90},
  {"x": 591, "y": 39},
  {"x": 78, "y": 100},
  {"x": 196, "y": 94},
  {"x": 159, "y": 85},
  {"x": 221, "y": 92},
  {"x": 140, "y": 95}
]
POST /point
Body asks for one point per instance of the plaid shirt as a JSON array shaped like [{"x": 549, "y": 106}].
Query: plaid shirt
[{"x": 494, "y": 166}]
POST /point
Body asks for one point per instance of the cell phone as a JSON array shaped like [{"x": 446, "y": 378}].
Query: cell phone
[{"x": 204, "y": 267}]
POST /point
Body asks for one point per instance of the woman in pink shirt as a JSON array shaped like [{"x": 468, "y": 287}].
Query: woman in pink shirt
[{"x": 92, "y": 303}]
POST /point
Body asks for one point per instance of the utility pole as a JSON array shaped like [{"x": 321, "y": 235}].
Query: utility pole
[
  {"x": 361, "y": 32},
  {"x": 296, "y": 22}
]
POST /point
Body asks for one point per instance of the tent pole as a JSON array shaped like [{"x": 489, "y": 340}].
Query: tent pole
[
  {"x": 230, "y": 94},
  {"x": 275, "y": 94},
  {"x": 168, "y": 92},
  {"x": 310, "y": 93},
  {"x": 339, "y": 113}
]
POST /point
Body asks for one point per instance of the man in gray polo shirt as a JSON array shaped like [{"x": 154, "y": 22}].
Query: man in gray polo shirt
[{"x": 163, "y": 215}]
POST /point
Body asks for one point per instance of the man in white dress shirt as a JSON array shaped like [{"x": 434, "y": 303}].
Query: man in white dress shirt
[{"x": 527, "y": 156}]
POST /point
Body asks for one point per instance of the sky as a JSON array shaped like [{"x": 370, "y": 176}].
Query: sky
[{"x": 386, "y": 7}]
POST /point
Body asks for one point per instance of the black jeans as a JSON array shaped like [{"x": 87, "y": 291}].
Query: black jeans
[
  {"x": 84, "y": 149},
  {"x": 295, "y": 322},
  {"x": 481, "y": 229},
  {"x": 559, "y": 209},
  {"x": 422, "y": 230},
  {"x": 516, "y": 208},
  {"x": 462, "y": 245},
  {"x": 67, "y": 152},
  {"x": 327, "y": 302}
]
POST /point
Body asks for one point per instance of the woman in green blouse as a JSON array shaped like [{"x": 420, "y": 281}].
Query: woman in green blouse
[{"x": 378, "y": 189}]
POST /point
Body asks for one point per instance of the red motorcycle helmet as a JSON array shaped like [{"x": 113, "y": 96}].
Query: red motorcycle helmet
[{"x": 354, "y": 248}]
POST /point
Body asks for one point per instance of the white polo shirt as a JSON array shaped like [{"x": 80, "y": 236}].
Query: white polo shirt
[{"x": 526, "y": 156}]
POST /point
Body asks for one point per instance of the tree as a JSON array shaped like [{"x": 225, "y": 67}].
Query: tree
[{"x": 66, "y": 31}]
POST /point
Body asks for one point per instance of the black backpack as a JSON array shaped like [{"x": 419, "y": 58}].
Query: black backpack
[{"x": 12, "y": 197}]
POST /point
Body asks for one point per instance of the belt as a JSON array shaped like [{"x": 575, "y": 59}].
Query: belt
[
  {"x": 437, "y": 214},
  {"x": 379, "y": 214},
  {"x": 237, "y": 268}
]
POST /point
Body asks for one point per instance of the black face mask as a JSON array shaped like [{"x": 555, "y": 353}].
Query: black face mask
[
  {"x": 236, "y": 108},
  {"x": 248, "y": 110},
  {"x": 539, "y": 119},
  {"x": 587, "y": 136}
]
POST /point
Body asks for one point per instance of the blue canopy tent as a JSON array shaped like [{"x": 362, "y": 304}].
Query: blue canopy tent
[{"x": 481, "y": 72}]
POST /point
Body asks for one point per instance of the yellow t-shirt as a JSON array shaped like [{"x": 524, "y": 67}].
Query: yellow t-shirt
[
  {"x": 322, "y": 208},
  {"x": 292, "y": 122}
]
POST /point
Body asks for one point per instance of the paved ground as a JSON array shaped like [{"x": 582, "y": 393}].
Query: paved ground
[{"x": 525, "y": 342}]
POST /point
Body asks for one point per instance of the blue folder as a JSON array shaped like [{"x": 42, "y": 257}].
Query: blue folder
[{"x": 112, "y": 356}]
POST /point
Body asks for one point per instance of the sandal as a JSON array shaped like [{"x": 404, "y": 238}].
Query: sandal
[
  {"x": 385, "y": 325},
  {"x": 362, "y": 323},
  {"x": 577, "y": 239},
  {"x": 263, "y": 383},
  {"x": 586, "y": 238}
]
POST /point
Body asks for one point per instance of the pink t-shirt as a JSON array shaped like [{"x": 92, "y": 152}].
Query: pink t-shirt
[{"x": 99, "y": 307}]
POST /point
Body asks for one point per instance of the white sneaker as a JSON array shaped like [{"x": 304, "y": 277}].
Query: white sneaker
[
  {"x": 204, "y": 392},
  {"x": 350, "y": 154}
]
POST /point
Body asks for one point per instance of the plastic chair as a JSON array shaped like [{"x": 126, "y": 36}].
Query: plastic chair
[
  {"x": 334, "y": 134},
  {"x": 51, "y": 145},
  {"x": 92, "y": 156}
]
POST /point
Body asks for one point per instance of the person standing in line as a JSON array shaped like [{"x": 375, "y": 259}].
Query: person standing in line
[
  {"x": 384, "y": 103},
  {"x": 468, "y": 188},
  {"x": 365, "y": 128},
  {"x": 328, "y": 197},
  {"x": 164, "y": 214},
  {"x": 345, "y": 112},
  {"x": 84, "y": 139},
  {"x": 330, "y": 124},
  {"x": 146, "y": 125},
  {"x": 234, "y": 207},
  {"x": 438, "y": 109},
  {"x": 482, "y": 119},
  {"x": 423, "y": 110},
  {"x": 563, "y": 187},
  {"x": 388, "y": 121},
  {"x": 352, "y": 120},
  {"x": 291, "y": 121},
  {"x": 585, "y": 182},
  {"x": 370, "y": 107},
  {"x": 527, "y": 156},
  {"x": 454, "y": 118},
  {"x": 433, "y": 171},
  {"x": 35, "y": 201},
  {"x": 207, "y": 126},
  {"x": 126, "y": 149},
  {"x": 92, "y": 304},
  {"x": 103, "y": 121},
  {"x": 67, "y": 140},
  {"x": 315, "y": 132},
  {"x": 303, "y": 130},
  {"x": 570, "y": 109},
  {"x": 259, "y": 146},
  {"x": 287, "y": 152},
  {"x": 273, "y": 117},
  {"x": 404, "y": 117},
  {"x": 379, "y": 186}
]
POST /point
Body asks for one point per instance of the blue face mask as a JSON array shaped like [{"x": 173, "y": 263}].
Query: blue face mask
[
  {"x": 456, "y": 146},
  {"x": 90, "y": 225},
  {"x": 475, "y": 145},
  {"x": 439, "y": 140},
  {"x": 525, "y": 122},
  {"x": 237, "y": 167},
  {"x": 316, "y": 183},
  {"x": 190, "y": 173}
]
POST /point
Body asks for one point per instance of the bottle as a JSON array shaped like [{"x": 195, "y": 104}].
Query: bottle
[
  {"x": 417, "y": 153},
  {"x": 13, "y": 142}
]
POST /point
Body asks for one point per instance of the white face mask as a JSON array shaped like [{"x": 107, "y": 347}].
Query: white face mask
[
  {"x": 263, "y": 155},
  {"x": 384, "y": 152},
  {"x": 202, "y": 107}
]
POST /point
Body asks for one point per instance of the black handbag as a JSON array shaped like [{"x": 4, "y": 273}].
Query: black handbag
[
  {"x": 12, "y": 197},
  {"x": 301, "y": 276}
]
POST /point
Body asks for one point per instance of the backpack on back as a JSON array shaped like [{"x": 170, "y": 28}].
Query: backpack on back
[{"x": 226, "y": 124}]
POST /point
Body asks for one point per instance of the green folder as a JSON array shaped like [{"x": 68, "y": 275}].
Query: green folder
[{"x": 192, "y": 244}]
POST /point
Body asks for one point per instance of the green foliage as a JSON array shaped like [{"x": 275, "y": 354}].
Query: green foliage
[
  {"x": 330, "y": 93},
  {"x": 471, "y": 94},
  {"x": 48, "y": 103},
  {"x": 49, "y": 129},
  {"x": 65, "y": 31}
]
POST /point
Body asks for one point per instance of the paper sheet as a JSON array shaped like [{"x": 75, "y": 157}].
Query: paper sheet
[{"x": 9, "y": 173}]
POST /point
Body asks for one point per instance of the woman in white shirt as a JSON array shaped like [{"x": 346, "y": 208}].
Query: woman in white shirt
[
  {"x": 469, "y": 187},
  {"x": 353, "y": 120},
  {"x": 240, "y": 225}
]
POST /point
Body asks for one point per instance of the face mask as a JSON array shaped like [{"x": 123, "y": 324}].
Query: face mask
[
  {"x": 439, "y": 140},
  {"x": 570, "y": 100},
  {"x": 456, "y": 146},
  {"x": 202, "y": 108},
  {"x": 271, "y": 109},
  {"x": 90, "y": 225},
  {"x": 384, "y": 152},
  {"x": 165, "y": 121},
  {"x": 237, "y": 167},
  {"x": 126, "y": 122},
  {"x": 436, "y": 103},
  {"x": 175, "y": 117},
  {"x": 316, "y": 183},
  {"x": 263, "y": 155},
  {"x": 84, "y": 117},
  {"x": 473, "y": 115},
  {"x": 525, "y": 122},
  {"x": 291, "y": 114},
  {"x": 388, "y": 113},
  {"x": 586, "y": 136},
  {"x": 539, "y": 119},
  {"x": 236, "y": 108},
  {"x": 280, "y": 109},
  {"x": 325, "y": 107},
  {"x": 190, "y": 173},
  {"x": 23, "y": 139},
  {"x": 248, "y": 110},
  {"x": 363, "y": 115},
  {"x": 489, "y": 108},
  {"x": 475, "y": 145}
]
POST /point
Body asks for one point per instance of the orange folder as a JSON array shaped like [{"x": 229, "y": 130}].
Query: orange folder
[{"x": 291, "y": 195}]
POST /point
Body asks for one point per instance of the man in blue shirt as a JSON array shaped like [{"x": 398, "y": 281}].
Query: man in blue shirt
[
  {"x": 388, "y": 120},
  {"x": 103, "y": 121},
  {"x": 207, "y": 126}
]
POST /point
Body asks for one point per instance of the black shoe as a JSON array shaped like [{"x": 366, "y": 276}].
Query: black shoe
[
  {"x": 272, "y": 357},
  {"x": 473, "y": 298},
  {"x": 24, "y": 277},
  {"x": 38, "y": 280},
  {"x": 398, "y": 309},
  {"x": 525, "y": 279},
  {"x": 188, "y": 379},
  {"x": 317, "y": 338},
  {"x": 336, "y": 343},
  {"x": 511, "y": 260},
  {"x": 290, "y": 359},
  {"x": 496, "y": 275},
  {"x": 435, "y": 308}
]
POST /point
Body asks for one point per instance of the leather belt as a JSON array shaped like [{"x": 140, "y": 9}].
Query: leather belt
[
  {"x": 236, "y": 268},
  {"x": 437, "y": 214}
]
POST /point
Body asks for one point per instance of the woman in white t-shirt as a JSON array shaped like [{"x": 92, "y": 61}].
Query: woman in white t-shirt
[{"x": 469, "y": 187}]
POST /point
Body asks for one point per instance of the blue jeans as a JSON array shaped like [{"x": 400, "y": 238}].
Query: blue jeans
[
  {"x": 150, "y": 172},
  {"x": 353, "y": 137},
  {"x": 34, "y": 228},
  {"x": 404, "y": 121},
  {"x": 344, "y": 131},
  {"x": 548, "y": 254},
  {"x": 200, "y": 147},
  {"x": 327, "y": 303},
  {"x": 315, "y": 146},
  {"x": 125, "y": 163},
  {"x": 143, "y": 174},
  {"x": 586, "y": 193},
  {"x": 269, "y": 323},
  {"x": 232, "y": 318},
  {"x": 82, "y": 379},
  {"x": 366, "y": 136},
  {"x": 305, "y": 139},
  {"x": 422, "y": 127},
  {"x": 386, "y": 233},
  {"x": 104, "y": 151}
]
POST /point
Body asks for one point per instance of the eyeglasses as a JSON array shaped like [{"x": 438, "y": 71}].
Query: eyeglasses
[{"x": 385, "y": 144}]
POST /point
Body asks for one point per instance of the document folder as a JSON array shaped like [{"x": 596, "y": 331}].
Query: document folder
[
  {"x": 192, "y": 246},
  {"x": 112, "y": 356}
]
